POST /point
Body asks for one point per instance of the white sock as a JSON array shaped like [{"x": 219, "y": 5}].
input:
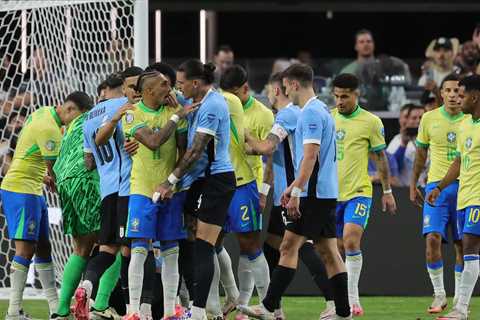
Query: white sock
[
  {"x": 135, "y": 277},
  {"x": 198, "y": 313},
  {"x": 145, "y": 310},
  {"x": 353, "y": 263},
  {"x": 18, "y": 278},
  {"x": 261, "y": 274},
  {"x": 470, "y": 273},
  {"x": 170, "y": 279},
  {"x": 245, "y": 281},
  {"x": 458, "y": 278},
  {"x": 226, "y": 276},
  {"x": 213, "y": 302},
  {"x": 46, "y": 273},
  {"x": 435, "y": 270}
]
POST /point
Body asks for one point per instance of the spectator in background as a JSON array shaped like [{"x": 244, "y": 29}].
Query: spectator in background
[
  {"x": 224, "y": 59},
  {"x": 365, "y": 48},
  {"x": 402, "y": 146},
  {"x": 476, "y": 35},
  {"x": 375, "y": 177},
  {"x": 467, "y": 61},
  {"x": 440, "y": 53},
  {"x": 319, "y": 70}
]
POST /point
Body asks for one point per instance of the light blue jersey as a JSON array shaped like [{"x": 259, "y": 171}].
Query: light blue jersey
[
  {"x": 113, "y": 163},
  {"x": 211, "y": 118},
  {"x": 283, "y": 160},
  {"x": 316, "y": 126}
]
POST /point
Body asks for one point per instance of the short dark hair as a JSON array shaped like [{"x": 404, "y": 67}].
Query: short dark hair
[
  {"x": 450, "y": 77},
  {"x": 234, "y": 77},
  {"x": 81, "y": 100},
  {"x": 414, "y": 107},
  {"x": 132, "y": 72},
  {"x": 195, "y": 69},
  {"x": 363, "y": 31},
  {"x": 115, "y": 80},
  {"x": 471, "y": 83},
  {"x": 101, "y": 86},
  {"x": 345, "y": 81},
  {"x": 301, "y": 72},
  {"x": 163, "y": 68},
  {"x": 278, "y": 78},
  {"x": 143, "y": 77},
  {"x": 224, "y": 48},
  {"x": 406, "y": 107}
]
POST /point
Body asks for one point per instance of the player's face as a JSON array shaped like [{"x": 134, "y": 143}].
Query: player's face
[
  {"x": 461, "y": 99},
  {"x": 345, "y": 100},
  {"x": 184, "y": 85},
  {"x": 243, "y": 93},
  {"x": 67, "y": 112},
  {"x": 449, "y": 94},
  {"x": 291, "y": 90},
  {"x": 161, "y": 89},
  {"x": 224, "y": 60},
  {"x": 128, "y": 88},
  {"x": 364, "y": 45}
]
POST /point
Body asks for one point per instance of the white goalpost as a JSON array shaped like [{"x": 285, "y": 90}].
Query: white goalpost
[{"x": 47, "y": 50}]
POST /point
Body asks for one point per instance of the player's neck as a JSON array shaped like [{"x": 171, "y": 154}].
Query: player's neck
[
  {"x": 202, "y": 91},
  {"x": 305, "y": 95},
  {"x": 476, "y": 113},
  {"x": 113, "y": 94},
  {"x": 150, "y": 103},
  {"x": 281, "y": 104},
  {"x": 363, "y": 59},
  {"x": 453, "y": 111}
]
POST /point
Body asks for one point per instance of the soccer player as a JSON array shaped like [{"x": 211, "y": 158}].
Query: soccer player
[
  {"x": 280, "y": 142},
  {"x": 358, "y": 133},
  {"x": 208, "y": 154},
  {"x": 155, "y": 159},
  {"x": 252, "y": 266},
  {"x": 23, "y": 204},
  {"x": 310, "y": 199},
  {"x": 466, "y": 169},
  {"x": 79, "y": 191},
  {"x": 438, "y": 133}
]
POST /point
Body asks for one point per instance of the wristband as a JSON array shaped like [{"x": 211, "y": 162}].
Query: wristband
[
  {"x": 265, "y": 189},
  {"x": 388, "y": 191},
  {"x": 175, "y": 118},
  {"x": 296, "y": 192},
  {"x": 172, "y": 179}
]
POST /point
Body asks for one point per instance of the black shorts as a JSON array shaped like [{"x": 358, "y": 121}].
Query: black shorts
[
  {"x": 114, "y": 211},
  {"x": 276, "y": 223},
  {"x": 192, "y": 200},
  {"x": 317, "y": 219},
  {"x": 216, "y": 194}
]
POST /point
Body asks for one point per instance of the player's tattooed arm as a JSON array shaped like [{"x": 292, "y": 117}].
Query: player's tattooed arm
[
  {"x": 193, "y": 154},
  {"x": 182, "y": 140},
  {"x": 89, "y": 161},
  {"x": 153, "y": 140},
  {"x": 416, "y": 195},
  {"x": 383, "y": 168},
  {"x": 262, "y": 147}
]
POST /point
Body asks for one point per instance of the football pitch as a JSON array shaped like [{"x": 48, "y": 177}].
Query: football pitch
[{"x": 309, "y": 308}]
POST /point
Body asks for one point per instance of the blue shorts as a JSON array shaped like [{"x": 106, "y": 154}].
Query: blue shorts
[
  {"x": 26, "y": 214},
  {"x": 437, "y": 218},
  {"x": 244, "y": 213},
  {"x": 355, "y": 210},
  {"x": 469, "y": 221},
  {"x": 156, "y": 221}
]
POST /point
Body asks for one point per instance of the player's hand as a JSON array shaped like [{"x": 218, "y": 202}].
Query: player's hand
[
  {"x": 131, "y": 147},
  {"x": 163, "y": 192},
  {"x": 248, "y": 136},
  {"x": 293, "y": 208},
  {"x": 416, "y": 196},
  {"x": 389, "y": 204},
  {"x": 286, "y": 196},
  {"x": 121, "y": 112},
  {"x": 185, "y": 111},
  {"x": 50, "y": 183},
  {"x": 171, "y": 100},
  {"x": 262, "y": 201},
  {"x": 433, "y": 196}
]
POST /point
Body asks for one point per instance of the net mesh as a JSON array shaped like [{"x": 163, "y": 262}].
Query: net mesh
[{"x": 47, "y": 52}]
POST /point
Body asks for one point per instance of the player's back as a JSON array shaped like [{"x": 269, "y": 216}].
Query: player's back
[
  {"x": 316, "y": 125},
  {"x": 243, "y": 171},
  {"x": 38, "y": 141},
  {"x": 113, "y": 164}
]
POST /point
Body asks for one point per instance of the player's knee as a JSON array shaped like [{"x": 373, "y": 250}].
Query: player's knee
[
  {"x": 249, "y": 245},
  {"x": 287, "y": 247},
  {"x": 434, "y": 242},
  {"x": 351, "y": 244}
]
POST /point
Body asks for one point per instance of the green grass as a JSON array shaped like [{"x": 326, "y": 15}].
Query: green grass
[{"x": 309, "y": 308}]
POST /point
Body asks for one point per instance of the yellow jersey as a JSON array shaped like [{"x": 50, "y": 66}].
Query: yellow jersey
[
  {"x": 38, "y": 141},
  {"x": 438, "y": 131},
  {"x": 356, "y": 134},
  {"x": 259, "y": 121},
  {"x": 243, "y": 171},
  {"x": 468, "y": 147},
  {"x": 151, "y": 168}
]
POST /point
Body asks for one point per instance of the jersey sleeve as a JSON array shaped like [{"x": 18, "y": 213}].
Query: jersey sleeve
[
  {"x": 208, "y": 119},
  {"x": 312, "y": 126},
  {"x": 87, "y": 147},
  {"x": 131, "y": 122},
  {"x": 377, "y": 136},
  {"x": 48, "y": 140},
  {"x": 280, "y": 126},
  {"x": 182, "y": 126},
  {"x": 423, "y": 139},
  {"x": 266, "y": 124}
]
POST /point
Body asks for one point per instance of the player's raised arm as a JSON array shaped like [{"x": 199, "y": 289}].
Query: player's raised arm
[{"x": 264, "y": 147}]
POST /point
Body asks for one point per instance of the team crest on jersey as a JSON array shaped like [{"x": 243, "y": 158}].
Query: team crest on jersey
[
  {"x": 451, "y": 137},
  {"x": 340, "y": 135},
  {"x": 135, "y": 225},
  {"x": 211, "y": 117},
  {"x": 312, "y": 126},
  {"x": 426, "y": 221},
  {"x": 50, "y": 145},
  {"x": 468, "y": 143},
  {"x": 31, "y": 228},
  {"x": 382, "y": 131},
  {"x": 129, "y": 118}
]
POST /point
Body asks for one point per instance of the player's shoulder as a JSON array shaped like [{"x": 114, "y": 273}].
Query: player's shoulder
[
  {"x": 214, "y": 101},
  {"x": 234, "y": 103},
  {"x": 261, "y": 109},
  {"x": 369, "y": 116}
]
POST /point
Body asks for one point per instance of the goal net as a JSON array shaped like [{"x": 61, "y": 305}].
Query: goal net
[{"x": 47, "y": 50}]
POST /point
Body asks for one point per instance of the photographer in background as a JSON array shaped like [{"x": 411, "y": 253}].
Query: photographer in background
[{"x": 402, "y": 146}]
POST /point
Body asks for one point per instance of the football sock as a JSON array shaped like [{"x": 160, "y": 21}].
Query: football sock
[
  {"x": 18, "y": 278},
  {"x": 458, "y": 278},
  {"x": 107, "y": 283},
  {"x": 246, "y": 283},
  {"x": 170, "y": 277},
  {"x": 470, "y": 274},
  {"x": 353, "y": 263},
  {"x": 124, "y": 278},
  {"x": 317, "y": 269},
  {"x": 339, "y": 285},
  {"x": 213, "y": 302},
  {"x": 46, "y": 273},
  {"x": 226, "y": 274},
  {"x": 272, "y": 255},
  {"x": 435, "y": 270},
  {"x": 139, "y": 254},
  {"x": 281, "y": 278},
  {"x": 260, "y": 273},
  {"x": 149, "y": 274},
  {"x": 186, "y": 264},
  {"x": 204, "y": 269},
  {"x": 95, "y": 269},
  {"x": 72, "y": 274}
]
